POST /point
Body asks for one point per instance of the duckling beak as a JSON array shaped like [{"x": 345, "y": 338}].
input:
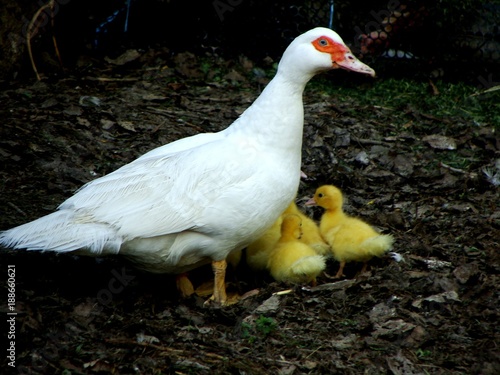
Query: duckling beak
[{"x": 311, "y": 202}]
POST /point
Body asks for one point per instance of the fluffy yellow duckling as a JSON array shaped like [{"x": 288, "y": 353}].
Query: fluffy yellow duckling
[
  {"x": 310, "y": 231},
  {"x": 292, "y": 260},
  {"x": 351, "y": 239},
  {"x": 257, "y": 254}
]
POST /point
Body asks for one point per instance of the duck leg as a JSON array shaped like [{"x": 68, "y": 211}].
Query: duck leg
[
  {"x": 340, "y": 272},
  {"x": 219, "y": 268},
  {"x": 184, "y": 285}
]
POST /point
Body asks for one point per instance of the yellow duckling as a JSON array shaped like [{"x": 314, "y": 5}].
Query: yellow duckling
[
  {"x": 292, "y": 260},
  {"x": 351, "y": 239},
  {"x": 310, "y": 231},
  {"x": 257, "y": 254}
]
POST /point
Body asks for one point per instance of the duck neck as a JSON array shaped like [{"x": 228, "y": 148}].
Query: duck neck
[{"x": 276, "y": 116}]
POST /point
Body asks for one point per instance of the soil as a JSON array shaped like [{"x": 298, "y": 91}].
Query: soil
[{"x": 433, "y": 312}]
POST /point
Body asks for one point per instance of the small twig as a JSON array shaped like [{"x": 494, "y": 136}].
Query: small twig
[
  {"x": 216, "y": 356},
  {"x": 369, "y": 141},
  {"x": 174, "y": 115},
  {"x": 32, "y": 30},
  {"x": 381, "y": 107},
  {"x": 213, "y": 99},
  {"x": 120, "y": 341},
  {"x": 282, "y": 292},
  {"x": 314, "y": 351},
  {"x": 56, "y": 48},
  {"x": 491, "y": 89},
  {"x": 434, "y": 88},
  {"x": 29, "y": 36},
  {"x": 446, "y": 166},
  {"x": 111, "y": 79},
  {"x": 17, "y": 208},
  {"x": 434, "y": 118},
  {"x": 162, "y": 111},
  {"x": 281, "y": 361}
]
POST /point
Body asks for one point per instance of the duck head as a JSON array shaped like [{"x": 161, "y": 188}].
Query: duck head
[{"x": 317, "y": 50}]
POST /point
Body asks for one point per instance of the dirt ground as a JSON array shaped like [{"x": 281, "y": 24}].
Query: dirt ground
[{"x": 434, "y": 312}]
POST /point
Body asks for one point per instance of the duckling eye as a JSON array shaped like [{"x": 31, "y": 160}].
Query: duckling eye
[
  {"x": 323, "y": 42},
  {"x": 320, "y": 195}
]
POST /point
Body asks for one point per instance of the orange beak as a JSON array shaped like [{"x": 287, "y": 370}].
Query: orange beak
[{"x": 354, "y": 65}]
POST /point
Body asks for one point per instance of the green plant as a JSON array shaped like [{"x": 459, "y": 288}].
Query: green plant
[
  {"x": 423, "y": 353},
  {"x": 262, "y": 328},
  {"x": 78, "y": 349},
  {"x": 348, "y": 322},
  {"x": 400, "y": 100},
  {"x": 245, "y": 330},
  {"x": 265, "y": 325}
]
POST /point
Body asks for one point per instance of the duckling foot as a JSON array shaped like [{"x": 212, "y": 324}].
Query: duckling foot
[
  {"x": 340, "y": 272},
  {"x": 365, "y": 267}
]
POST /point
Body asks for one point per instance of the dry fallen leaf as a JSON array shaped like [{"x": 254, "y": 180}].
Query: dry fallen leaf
[
  {"x": 128, "y": 125},
  {"x": 126, "y": 57},
  {"x": 440, "y": 142}
]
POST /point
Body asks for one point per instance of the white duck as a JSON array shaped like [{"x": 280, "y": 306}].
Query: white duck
[{"x": 195, "y": 200}]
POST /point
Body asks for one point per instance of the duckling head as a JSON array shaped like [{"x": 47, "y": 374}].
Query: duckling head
[
  {"x": 328, "y": 197},
  {"x": 291, "y": 227}
]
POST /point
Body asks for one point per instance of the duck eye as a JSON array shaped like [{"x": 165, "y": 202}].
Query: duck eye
[
  {"x": 323, "y": 42},
  {"x": 320, "y": 195}
]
